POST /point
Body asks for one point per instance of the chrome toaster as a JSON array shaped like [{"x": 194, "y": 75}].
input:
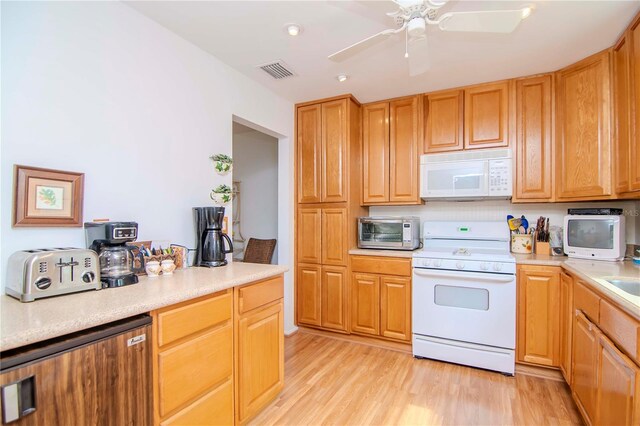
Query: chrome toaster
[{"x": 34, "y": 274}]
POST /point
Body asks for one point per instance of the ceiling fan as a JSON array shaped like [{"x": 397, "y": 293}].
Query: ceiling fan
[{"x": 413, "y": 16}]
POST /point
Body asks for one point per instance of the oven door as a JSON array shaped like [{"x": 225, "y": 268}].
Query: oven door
[
  {"x": 380, "y": 233},
  {"x": 471, "y": 307}
]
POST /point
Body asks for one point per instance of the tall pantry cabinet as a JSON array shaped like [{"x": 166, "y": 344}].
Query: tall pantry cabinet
[{"x": 328, "y": 174}]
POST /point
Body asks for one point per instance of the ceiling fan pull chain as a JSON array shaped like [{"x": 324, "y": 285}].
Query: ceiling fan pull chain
[{"x": 406, "y": 44}]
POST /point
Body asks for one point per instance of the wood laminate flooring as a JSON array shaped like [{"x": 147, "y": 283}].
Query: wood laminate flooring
[{"x": 331, "y": 381}]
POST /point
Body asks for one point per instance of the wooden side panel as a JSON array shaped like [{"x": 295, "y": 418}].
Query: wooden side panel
[
  {"x": 308, "y": 294},
  {"x": 365, "y": 304},
  {"x": 583, "y": 167},
  {"x": 395, "y": 308},
  {"x": 585, "y": 359},
  {"x": 538, "y": 320},
  {"x": 309, "y": 147},
  {"x": 444, "y": 124},
  {"x": 260, "y": 352},
  {"x": 486, "y": 116},
  {"x": 375, "y": 153},
  {"x": 622, "y": 119},
  {"x": 334, "y": 237},
  {"x": 334, "y": 151},
  {"x": 215, "y": 408},
  {"x": 404, "y": 140},
  {"x": 618, "y": 386},
  {"x": 105, "y": 383},
  {"x": 334, "y": 298},
  {"x": 566, "y": 324},
  {"x": 533, "y": 139},
  {"x": 309, "y": 235},
  {"x": 634, "y": 73}
]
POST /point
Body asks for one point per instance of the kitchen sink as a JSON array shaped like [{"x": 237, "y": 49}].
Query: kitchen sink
[{"x": 629, "y": 285}]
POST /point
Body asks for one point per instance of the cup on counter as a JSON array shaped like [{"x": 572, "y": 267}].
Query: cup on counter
[
  {"x": 168, "y": 266},
  {"x": 153, "y": 268}
]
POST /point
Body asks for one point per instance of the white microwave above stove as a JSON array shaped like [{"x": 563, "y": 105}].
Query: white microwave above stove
[{"x": 466, "y": 175}]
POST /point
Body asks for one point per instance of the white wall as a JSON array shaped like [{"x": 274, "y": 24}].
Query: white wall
[
  {"x": 255, "y": 165},
  {"x": 499, "y": 209},
  {"x": 96, "y": 87}
]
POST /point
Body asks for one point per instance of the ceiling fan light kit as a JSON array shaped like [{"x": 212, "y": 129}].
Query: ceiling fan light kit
[{"x": 413, "y": 16}]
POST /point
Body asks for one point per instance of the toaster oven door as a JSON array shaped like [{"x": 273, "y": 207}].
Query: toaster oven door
[{"x": 380, "y": 233}]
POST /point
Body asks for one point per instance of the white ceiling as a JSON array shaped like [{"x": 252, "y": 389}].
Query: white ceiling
[{"x": 244, "y": 34}]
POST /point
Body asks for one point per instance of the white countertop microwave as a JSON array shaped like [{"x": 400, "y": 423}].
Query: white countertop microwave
[
  {"x": 598, "y": 237},
  {"x": 466, "y": 175}
]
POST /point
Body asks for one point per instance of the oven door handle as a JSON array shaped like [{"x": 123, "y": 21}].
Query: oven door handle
[{"x": 469, "y": 276}]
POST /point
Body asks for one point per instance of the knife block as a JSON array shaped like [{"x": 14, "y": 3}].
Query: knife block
[{"x": 543, "y": 248}]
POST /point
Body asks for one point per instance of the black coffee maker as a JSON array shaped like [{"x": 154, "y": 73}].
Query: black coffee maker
[{"x": 211, "y": 251}]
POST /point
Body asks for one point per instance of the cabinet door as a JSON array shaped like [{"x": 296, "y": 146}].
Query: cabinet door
[
  {"x": 583, "y": 141},
  {"x": 260, "y": 373},
  {"x": 404, "y": 140},
  {"x": 308, "y": 291},
  {"x": 334, "y": 151},
  {"x": 566, "y": 324},
  {"x": 365, "y": 304},
  {"x": 215, "y": 408},
  {"x": 486, "y": 116},
  {"x": 538, "y": 320},
  {"x": 634, "y": 73},
  {"x": 585, "y": 363},
  {"x": 618, "y": 383},
  {"x": 309, "y": 145},
  {"x": 533, "y": 139},
  {"x": 309, "y": 236},
  {"x": 375, "y": 153},
  {"x": 444, "y": 129},
  {"x": 621, "y": 125},
  {"x": 334, "y": 237},
  {"x": 334, "y": 297},
  {"x": 395, "y": 308}
]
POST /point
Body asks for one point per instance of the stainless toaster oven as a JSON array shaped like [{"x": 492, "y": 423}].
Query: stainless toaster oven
[{"x": 395, "y": 233}]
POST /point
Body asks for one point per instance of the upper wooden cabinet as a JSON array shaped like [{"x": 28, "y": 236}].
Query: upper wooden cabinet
[
  {"x": 534, "y": 156},
  {"x": 583, "y": 165},
  {"x": 391, "y": 137},
  {"x": 322, "y": 142},
  {"x": 486, "y": 116},
  {"x": 444, "y": 124},
  {"x": 634, "y": 74}
]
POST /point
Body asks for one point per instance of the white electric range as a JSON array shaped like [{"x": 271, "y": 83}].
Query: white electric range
[{"x": 464, "y": 295}]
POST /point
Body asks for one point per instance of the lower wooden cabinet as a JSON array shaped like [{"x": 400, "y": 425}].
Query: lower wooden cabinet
[
  {"x": 538, "y": 322},
  {"x": 566, "y": 324},
  {"x": 395, "y": 308},
  {"x": 365, "y": 304},
  {"x": 585, "y": 360},
  {"x": 322, "y": 296}
]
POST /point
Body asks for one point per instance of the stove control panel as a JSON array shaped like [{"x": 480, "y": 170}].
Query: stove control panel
[{"x": 465, "y": 265}]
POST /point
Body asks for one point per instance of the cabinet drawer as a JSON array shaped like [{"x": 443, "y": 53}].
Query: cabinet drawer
[
  {"x": 215, "y": 408},
  {"x": 176, "y": 323},
  {"x": 191, "y": 369},
  {"x": 621, "y": 328},
  {"x": 261, "y": 293},
  {"x": 381, "y": 265},
  {"x": 586, "y": 301}
]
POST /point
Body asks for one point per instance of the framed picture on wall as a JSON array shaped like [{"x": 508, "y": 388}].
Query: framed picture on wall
[{"x": 45, "y": 197}]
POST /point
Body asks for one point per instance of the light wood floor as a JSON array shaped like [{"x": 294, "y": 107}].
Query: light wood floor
[{"x": 329, "y": 381}]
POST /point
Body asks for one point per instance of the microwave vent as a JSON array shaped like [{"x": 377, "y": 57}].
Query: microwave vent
[
  {"x": 42, "y": 267},
  {"x": 278, "y": 70},
  {"x": 87, "y": 262},
  {"x": 467, "y": 155}
]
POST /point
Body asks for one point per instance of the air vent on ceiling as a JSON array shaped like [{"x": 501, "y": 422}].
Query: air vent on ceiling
[{"x": 277, "y": 70}]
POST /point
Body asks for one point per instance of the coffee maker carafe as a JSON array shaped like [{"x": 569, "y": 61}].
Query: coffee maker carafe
[
  {"x": 211, "y": 248},
  {"x": 109, "y": 240}
]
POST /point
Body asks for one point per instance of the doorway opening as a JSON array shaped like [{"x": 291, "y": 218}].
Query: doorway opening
[{"x": 255, "y": 186}]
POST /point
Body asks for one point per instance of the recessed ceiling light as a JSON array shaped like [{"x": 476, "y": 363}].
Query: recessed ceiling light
[
  {"x": 342, "y": 77},
  {"x": 293, "y": 29},
  {"x": 526, "y": 11}
]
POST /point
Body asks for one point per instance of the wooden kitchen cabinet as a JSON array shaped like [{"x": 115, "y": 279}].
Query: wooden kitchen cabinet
[
  {"x": 566, "y": 324},
  {"x": 309, "y": 144},
  {"x": 486, "y": 116},
  {"x": 334, "y": 238},
  {"x": 187, "y": 386},
  {"x": 444, "y": 124},
  {"x": 583, "y": 151},
  {"x": 309, "y": 238},
  {"x": 308, "y": 294},
  {"x": 585, "y": 362},
  {"x": 534, "y": 149},
  {"x": 634, "y": 75},
  {"x": 259, "y": 346},
  {"x": 395, "y": 307},
  {"x": 622, "y": 115},
  {"x": 391, "y": 139},
  {"x": 365, "y": 304},
  {"x": 322, "y": 296},
  {"x": 538, "y": 321}
]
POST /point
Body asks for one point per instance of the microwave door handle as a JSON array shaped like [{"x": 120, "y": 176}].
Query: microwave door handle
[{"x": 468, "y": 276}]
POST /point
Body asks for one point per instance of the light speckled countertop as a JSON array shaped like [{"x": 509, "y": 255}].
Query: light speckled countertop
[{"x": 25, "y": 323}]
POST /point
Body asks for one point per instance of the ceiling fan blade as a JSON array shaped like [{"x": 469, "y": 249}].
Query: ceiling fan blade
[
  {"x": 419, "y": 60},
  {"x": 493, "y": 21},
  {"x": 358, "y": 47}
]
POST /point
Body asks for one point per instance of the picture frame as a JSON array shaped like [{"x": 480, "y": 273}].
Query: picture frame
[{"x": 47, "y": 197}]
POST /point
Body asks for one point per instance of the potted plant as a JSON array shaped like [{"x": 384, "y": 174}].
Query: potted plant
[
  {"x": 222, "y": 194},
  {"x": 222, "y": 163}
]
